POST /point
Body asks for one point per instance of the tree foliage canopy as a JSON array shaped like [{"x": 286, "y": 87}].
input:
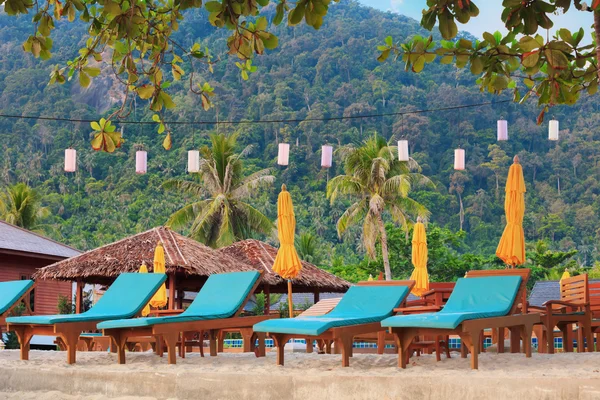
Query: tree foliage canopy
[{"x": 556, "y": 70}]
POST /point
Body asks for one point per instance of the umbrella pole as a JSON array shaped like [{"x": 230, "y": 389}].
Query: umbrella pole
[{"x": 290, "y": 301}]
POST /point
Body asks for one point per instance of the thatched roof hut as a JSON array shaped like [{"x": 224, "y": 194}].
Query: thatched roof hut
[
  {"x": 190, "y": 261},
  {"x": 261, "y": 256}
]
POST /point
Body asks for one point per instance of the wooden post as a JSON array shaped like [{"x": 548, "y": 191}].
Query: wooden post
[
  {"x": 290, "y": 299},
  {"x": 79, "y": 297},
  {"x": 180, "y": 296},
  {"x": 316, "y": 297},
  {"x": 171, "y": 291},
  {"x": 267, "y": 292}
]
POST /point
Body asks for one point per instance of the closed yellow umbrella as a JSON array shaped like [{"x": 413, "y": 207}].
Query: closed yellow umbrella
[
  {"x": 565, "y": 275},
  {"x": 146, "y": 310},
  {"x": 419, "y": 260},
  {"x": 511, "y": 248},
  {"x": 160, "y": 298},
  {"x": 287, "y": 263}
]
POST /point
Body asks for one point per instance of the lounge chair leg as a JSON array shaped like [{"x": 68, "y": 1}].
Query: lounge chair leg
[
  {"x": 118, "y": 342},
  {"x": 247, "y": 339},
  {"x": 159, "y": 345},
  {"x": 404, "y": 338},
  {"x": 201, "y": 343},
  {"x": 280, "y": 342},
  {"x": 212, "y": 336},
  {"x": 526, "y": 331},
  {"x": 71, "y": 338},
  {"x": 261, "y": 351},
  {"x": 471, "y": 340},
  {"x": 438, "y": 356},
  {"x": 309, "y": 345},
  {"x": 221, "y": 342},
  {"x": 24, "y": 336},
  {"x": 380, "y": 342},
  {"x": 515, "y": 338},
  {"x": 182, "y": 347},
  {"x": 171, "y": 342},
  {"x": 463, "y": 349},
  {"x": 500, "y": 340},
  {"x": 447, "y": 346},
  {"x": 328, "y": 346},
  {"x": 345, "y": 343}
]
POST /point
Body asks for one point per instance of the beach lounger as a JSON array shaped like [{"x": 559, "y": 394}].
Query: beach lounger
[
  {"x": 11, "y": 295},
  {"x": 125, "y": 298},
  {"x": 475, "y": 304},
  {"x": 217, "y": 306},
  {"x": 360, "y": 311}
]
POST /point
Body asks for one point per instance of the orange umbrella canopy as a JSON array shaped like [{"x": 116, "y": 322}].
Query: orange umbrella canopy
[
  {"x": 511, "y": 248},
  {"x": 419, "y": 260},
  {"x": 160, "y": 298},
  {"x": 287, "y": 263}
]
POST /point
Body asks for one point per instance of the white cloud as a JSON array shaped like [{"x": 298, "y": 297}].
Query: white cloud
[{"x": 396, "y": 5}]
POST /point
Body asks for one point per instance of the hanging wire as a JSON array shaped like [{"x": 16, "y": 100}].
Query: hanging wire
[{"x": 250, "y": 122}]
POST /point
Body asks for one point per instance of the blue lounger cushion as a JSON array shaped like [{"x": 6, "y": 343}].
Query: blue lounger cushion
[
  {"x": 360, "y": 305},
  {"x": 12, "y": 291},
  {"x": 472, "y": 298},
  {"x": 221, "y": 297},
  {"x": 125, "y": 298}
]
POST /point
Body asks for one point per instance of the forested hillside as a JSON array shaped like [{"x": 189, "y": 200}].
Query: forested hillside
[{"x": 313, "y": 74}]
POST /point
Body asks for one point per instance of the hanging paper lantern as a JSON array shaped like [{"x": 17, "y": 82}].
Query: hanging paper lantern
[
  {"x": 403, "y": 150},
  {"x": 193, "y": 161},
  {"x": 283, "y": 157},
  {"x": 326, "y": 156},
  {"x": 70, "y": 160},
  {"x": 502, "y": 130},
  {"x": 459, "y": 159},
  {"x": 553, "y": 130},
  {"x": 141, "y": 162}
]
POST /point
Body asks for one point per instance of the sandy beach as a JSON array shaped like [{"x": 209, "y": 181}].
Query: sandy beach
[{"x": 305, "y": 376}]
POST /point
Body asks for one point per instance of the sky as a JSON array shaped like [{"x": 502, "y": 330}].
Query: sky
[{"x": 489, "y": 16}]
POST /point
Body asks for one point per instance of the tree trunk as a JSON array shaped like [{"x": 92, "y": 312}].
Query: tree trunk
[
  {"x": 462, "y": 212},
  {"x": 384, "y": 249},
  {"x": 597, "y": 29}
]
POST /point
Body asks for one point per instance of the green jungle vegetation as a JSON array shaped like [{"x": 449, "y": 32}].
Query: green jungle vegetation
[{"x": 322, "y": 73}]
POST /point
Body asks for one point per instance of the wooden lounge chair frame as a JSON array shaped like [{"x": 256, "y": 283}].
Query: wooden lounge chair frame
[
  {"x": 25, "y": 299},
  {"x": 343, "y": 336},
  {"x": 171, "y": 333},
  {"x": 572, "y": 308},
  {"x": 470, "y": 331}
]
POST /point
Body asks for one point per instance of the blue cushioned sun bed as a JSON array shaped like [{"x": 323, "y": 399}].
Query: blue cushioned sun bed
[
  {"x": 358, "y": 312},
  {"x": 11, "y": 292},
  {"x": 125, "y": 298},
  {"x": 475, "y": 304},
  {"x": 220, "y": 297},
  {"x": 472, "y": 298},
  {"x": 217, "y": 306}
]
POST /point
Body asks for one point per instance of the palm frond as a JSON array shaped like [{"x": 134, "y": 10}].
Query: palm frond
[
  {"x": 343, "y": 185},
  {"x": 189, "y": 187},
  {"x": 353, "y": 214}
]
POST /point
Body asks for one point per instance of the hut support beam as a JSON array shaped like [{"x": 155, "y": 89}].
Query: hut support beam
[
  {"x": 180, "y": 296},
  {"x": 267, "y": 292},
  {"x": 172, "y": 291},
  {"x": 316, "y": 297},
  {"x": 79, "y": 297}
]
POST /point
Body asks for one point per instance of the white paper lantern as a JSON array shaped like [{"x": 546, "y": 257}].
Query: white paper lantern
[
  {"x": 326, "y": 156},
  {"x": 141, "y": 162},
  {"x": 193, "y": 161},
  {"x": 459, "y": 159},
  {"x": 70, "y": 160},
  {"x": 403, "y": 150},
  {"x": 553, "y": 130},
  {"x": 283, "y": 156},
  {"x": 502, "y": 130}
]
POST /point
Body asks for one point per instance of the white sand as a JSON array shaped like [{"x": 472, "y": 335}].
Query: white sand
[{"x": 232, "y": 375}]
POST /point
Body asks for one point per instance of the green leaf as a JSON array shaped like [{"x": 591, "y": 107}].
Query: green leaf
[
  {"x": 419, "y": 64},
  {"x": 527, "y": 43},
  {"x": 476, "y": 66},
  {"x": 146, "y": 91},
  {"x": 531, "y": 59},
  {"x": 84, "y": 79},
  {"x": 297, "y": 14},
  {"x": 556, "y": 58}
]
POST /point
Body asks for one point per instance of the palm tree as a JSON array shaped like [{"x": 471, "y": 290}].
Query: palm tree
[
  {"x": 377, "y": 182},
  {"x": 20, "y": 205},
  {"x": 306, "y": 244},
  {"x": 219, "y": 215}
]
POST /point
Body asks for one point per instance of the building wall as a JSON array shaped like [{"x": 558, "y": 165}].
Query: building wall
[{"x": 13, "y": 267}]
